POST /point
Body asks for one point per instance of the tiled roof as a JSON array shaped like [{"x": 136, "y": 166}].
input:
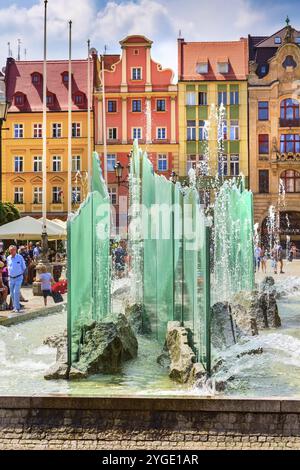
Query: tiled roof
[
  {"x": 18, "y": 78},
  {"x": 235, "y": 51},
  {"x": 110, "y": 60}
]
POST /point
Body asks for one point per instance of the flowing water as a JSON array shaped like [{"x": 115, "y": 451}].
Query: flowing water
[{"x": 24, "y": 360}]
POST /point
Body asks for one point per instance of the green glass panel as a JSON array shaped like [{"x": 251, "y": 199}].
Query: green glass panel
[
  {"x": 190, "y": 88},
  {"x": 202, "y": 88},
  {"x": 234, "y": 88},
  {"x": 190, "y": 113},
  {"x": 222, "y": 87}
]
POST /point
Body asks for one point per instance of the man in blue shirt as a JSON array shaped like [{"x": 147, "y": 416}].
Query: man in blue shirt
[{"x": 16, "y": 268}]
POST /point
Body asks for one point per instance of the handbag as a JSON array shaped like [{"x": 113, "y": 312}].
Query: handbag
[{"x": 57, "y": 297}]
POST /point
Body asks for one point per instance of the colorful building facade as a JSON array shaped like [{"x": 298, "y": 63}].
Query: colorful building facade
[
  {"x": 22, "y": 139},
  {"x": 274, "y": 129},
  {"x": 140, "y": 102},
  {"x": 211, "y": 74}
]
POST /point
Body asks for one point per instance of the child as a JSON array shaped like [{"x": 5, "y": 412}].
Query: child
[{"x": 46, "y": 281}]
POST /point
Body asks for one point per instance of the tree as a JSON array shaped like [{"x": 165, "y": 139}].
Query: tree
[{"x": 8, "y": 213}]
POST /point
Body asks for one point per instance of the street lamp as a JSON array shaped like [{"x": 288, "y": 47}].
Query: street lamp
[
  {"x": 3, "y": 115},
  {"x": 119, "y": 171}
]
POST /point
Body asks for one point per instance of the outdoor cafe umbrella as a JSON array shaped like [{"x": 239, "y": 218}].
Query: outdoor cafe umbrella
[{"x": 28, "y": 228}]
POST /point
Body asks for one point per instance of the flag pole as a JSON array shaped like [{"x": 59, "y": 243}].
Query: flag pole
[
  {"x": 89, "y": 156},
  {"x": 70, "y": 123},
  {"x": 44, "y": 161},
  {"x": 104, "y": 123}
]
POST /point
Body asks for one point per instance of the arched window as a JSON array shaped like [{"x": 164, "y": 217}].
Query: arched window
[
  {"x": 291, "y": 181},
  {"x": 289, "y": 109}
]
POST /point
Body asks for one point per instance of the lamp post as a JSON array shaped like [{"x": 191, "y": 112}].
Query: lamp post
[{"x": 3, "y": 115}]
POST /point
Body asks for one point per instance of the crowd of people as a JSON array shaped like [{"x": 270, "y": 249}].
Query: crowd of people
[
  {"x": 18, "y": 268},
  {"x": 275, "y": 255}
]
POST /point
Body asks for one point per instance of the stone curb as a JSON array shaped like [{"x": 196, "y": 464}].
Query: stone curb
[{"x": 40, "y": 312}]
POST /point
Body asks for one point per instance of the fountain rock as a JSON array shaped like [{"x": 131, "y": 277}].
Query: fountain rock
[
  {"x": 261, "y": 307},
  {"x": 178, "y": 353},
  {"x": 224, "y": 329},
  {"x": 138, "y": 319},
  {"x": 105, "y": 346}
]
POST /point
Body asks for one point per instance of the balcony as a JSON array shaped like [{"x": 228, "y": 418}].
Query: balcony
[
  {"x": 286, "y": 157},
  {"x": 289, "y": 123}
]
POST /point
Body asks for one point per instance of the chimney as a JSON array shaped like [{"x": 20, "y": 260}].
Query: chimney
[{"x": 180, "y": 42}]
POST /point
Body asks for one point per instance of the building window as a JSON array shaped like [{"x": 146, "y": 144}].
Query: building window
[
  {"x": 78, "y": 99},
  {"x": 19, "y": 100},
  {"x": 191, "y": 162},
  {"x": 76, "y": 129},
  {"x": 191, "y": 130},
  {"x": 49, "y": 100},
  {"x": 160, "y": 105},
  {"x": 56, "y": 130},
  {"x": 37, "y": 131},
  {"x": 76, "y": 195},
  {"x": 202, "y": 131},
  {"x": 136, "y": 73},
  {"x": 37, "y": 164},
  {"x": 56, "y": 163},
  {"x": 263, "y": 110},
  {"x": 223, "y": 165},
  {"x": 263, "y": 144},
  {"x": 19, "y": 164},
  {"x": 291, "y": 181},
  {"x": 223, "y": 67},
  {"x": 19, "y": 195},
  {"x": 56, "y": 195},
  {"x": 113, "y": 195},
  {"x": 234, "y": 97},
  {"x": 289, "y": 109},
  {"x": 111, "y": 161},
  {"x": 111, "y": 106},
  {"x": 136, "y": 106},
  {"x": 191, "y": 98},
  {"x": 161, "y": 133},
  {"x": 112, "y": 133},
  {"x": 36, "y": 78},
  {"x": 76, "y": 163},
  {"x": 297, "y": 40},
  {"x": 234, "y": 165},
  {"x": 263, "y": 181},
  {"x": 65, "y": 78},
  {"x": 234, "y": 130},
  {"x": 202, "y": 67},
  {"x": 18, "y": 131},
  {"x": 277, "y": 40},
  {"x": 137, "y": 133},
  {"x": 162, "y": 162},
  {"x": 224, "y": 134},
  {"x": 37, "y": 195},
  {"x": 290, "y": 143},
  {"x": 202, "y": 98},
  {"x": 222, "y": 98}
]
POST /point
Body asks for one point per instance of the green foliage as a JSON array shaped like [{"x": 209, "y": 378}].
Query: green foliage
[{"x": 8, "y": 213}]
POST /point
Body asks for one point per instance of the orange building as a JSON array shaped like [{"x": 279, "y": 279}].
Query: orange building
[{"x": 140, "y": 102}]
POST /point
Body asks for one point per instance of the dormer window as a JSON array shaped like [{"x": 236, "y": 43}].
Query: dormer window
[
  {"x": 289, "y": 62},
  {"x": 223, "y": 67},
  {"x": 263, "y": 70},
  {"x": 297, "y": 40},
  {"x": 202, "y": 67},
  {"x": 65, "y": 78},
  {"x": 19, "y": 99},
  {"x": 50, "y": 100},
  {"x": 36, "y": 78},
  {"x": 79, "y": 99},
  {"x": 277, "y": 40}
]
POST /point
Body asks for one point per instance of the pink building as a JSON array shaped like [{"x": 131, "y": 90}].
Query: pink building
[{"x": 140, "y": 102}]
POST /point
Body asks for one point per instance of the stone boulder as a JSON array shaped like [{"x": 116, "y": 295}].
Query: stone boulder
[
  {"x": 105, "y": 346},
  {"x": 260, "y": 307},
  {"x": 225, "y": 331},
  {"x": 138, "y": 319},
  {"x": 179, "y": 356}
]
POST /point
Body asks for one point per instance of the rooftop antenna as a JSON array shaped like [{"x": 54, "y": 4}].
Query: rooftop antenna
[
  {"x": 25, "y": 53},
  {"x": 287, "y": 20},
  {"x": 179, "y": 33},
  {"x": 19, "y": 49},
  {"x": 9, "y": 50}
]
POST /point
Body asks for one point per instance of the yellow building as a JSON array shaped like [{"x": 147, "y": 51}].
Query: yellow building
[
  {"x": 274, "y": 130},
  {"x": 22, "y": 137},
  {"x": 211, "y": 74}
]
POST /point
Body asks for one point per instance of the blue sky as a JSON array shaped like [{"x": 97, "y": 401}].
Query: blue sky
[{"x": 106, "y": 22}]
